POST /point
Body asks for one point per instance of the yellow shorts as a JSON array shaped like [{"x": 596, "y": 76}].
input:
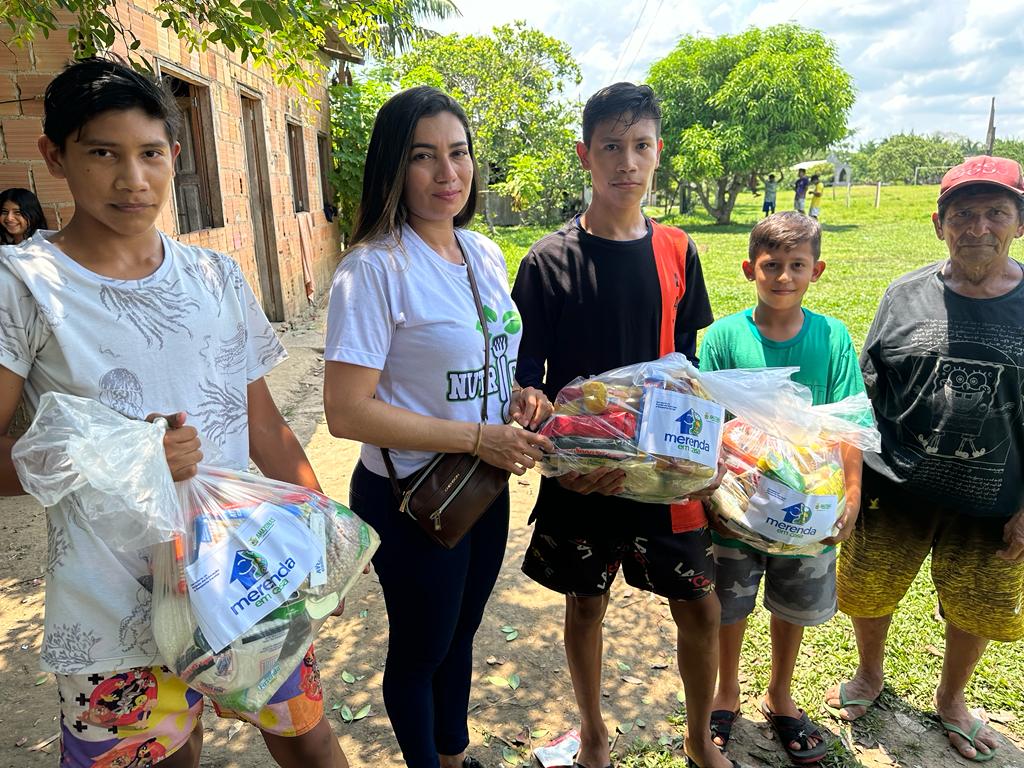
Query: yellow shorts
[
  {"x": 138, "y": 717},
  {"x": 978, "y": 592}
]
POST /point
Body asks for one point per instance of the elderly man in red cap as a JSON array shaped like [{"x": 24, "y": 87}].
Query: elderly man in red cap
[{"x": 944, "y": 367}]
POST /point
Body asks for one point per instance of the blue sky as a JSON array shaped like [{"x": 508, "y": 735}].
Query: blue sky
[{"x": 921, "y": 66}]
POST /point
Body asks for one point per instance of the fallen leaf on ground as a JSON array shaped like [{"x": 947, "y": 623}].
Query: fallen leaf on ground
[
  {"x": 494, "y": 661},
  {"x": 234, "y": 729},
  {"x": 933, "y": 650},
  {"x": 348, "y": 677},
  {"x": 513, "y": 681},
  {"x": 21, "y": 742},
  {"x": 42, "y": 679},
  {"x": 631, "y": 680},
  {"x": 624, "y": 727},
  {"x": 1002, "y": 716},
  {"x": 363, "y": 712},
  {"x": 659, "y": 665},
  {"x": 681, "y": 696},
  {"x": 640, "y": 723},
  {"x": 623, "y": 666},
  {"x": 346, "y": 714},
  {"x": 536, "y": 734},
  {"x": 498, "y": 680}
]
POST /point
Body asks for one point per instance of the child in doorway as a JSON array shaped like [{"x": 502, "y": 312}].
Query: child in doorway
[{"x": 784, "y": 258}]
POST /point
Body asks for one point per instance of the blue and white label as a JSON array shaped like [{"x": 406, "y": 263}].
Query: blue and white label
[
  {"x": 681, "y": 427},
  {"x": 779, "y": 513},
  {"x": 237, "y": 581}
]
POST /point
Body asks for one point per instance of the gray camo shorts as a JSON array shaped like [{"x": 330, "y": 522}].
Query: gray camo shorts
[{"x": 800, "y": 590}]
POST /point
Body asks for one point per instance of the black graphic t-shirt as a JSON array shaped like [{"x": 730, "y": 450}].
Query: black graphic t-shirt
[
  {"x": 946, "y": 376},
  {"x": 589, "y": 305}
]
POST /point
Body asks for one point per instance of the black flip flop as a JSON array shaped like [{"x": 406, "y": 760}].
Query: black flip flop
[
  {"x": 722, "y": 721},
  {"x": 801, "y": 730}
]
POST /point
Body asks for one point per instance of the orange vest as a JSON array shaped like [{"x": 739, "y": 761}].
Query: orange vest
[{"x": 670, "y": 246}]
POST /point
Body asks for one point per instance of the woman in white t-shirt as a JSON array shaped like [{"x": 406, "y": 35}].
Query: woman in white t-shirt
[{"x": 405, "y": 372}]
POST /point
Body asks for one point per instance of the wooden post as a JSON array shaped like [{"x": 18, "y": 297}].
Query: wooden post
[{"x": 878, "y": 195}]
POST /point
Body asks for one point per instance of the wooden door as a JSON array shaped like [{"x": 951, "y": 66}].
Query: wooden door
[{"x": 261, "y": 209}]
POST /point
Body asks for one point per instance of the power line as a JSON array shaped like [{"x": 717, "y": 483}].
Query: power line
[
  {"x": 622, "y": 53},
  {"x": 642, "y": 42}
]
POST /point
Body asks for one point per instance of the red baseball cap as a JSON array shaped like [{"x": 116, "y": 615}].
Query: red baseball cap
[{"x": 998, "y": 171}]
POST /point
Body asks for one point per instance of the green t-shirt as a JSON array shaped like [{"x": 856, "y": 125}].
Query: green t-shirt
[{"x": 822, "y": 349}]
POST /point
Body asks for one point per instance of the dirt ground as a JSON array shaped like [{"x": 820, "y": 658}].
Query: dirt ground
[{"x": 640, "y": 682}]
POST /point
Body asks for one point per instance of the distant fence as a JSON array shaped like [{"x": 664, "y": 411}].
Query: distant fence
[{"x": 502, "y": 212}]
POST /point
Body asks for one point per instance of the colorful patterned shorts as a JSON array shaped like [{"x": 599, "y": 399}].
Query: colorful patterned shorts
[{"x": 137, "y": 717}]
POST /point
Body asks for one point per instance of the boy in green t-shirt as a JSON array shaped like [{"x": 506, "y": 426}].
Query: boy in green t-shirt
[{"x": 784, "y": 259}]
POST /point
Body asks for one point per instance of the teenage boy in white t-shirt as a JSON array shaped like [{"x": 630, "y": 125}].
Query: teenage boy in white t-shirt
[{"x": 112, "y": 309}]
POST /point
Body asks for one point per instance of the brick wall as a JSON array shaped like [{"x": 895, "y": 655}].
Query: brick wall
[{"x": 24, "y": 73}]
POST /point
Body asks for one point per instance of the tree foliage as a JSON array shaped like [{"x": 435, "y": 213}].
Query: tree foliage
[
  {"x": 749, "y": 103},
  {"x": 353, "y": 110},
  {"x": 511, "y": 84},
  {"x": 283, "y": 36},
  {"x": 896, "y": 157}
]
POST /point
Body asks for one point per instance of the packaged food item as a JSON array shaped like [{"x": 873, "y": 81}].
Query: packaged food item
[
  {"x": 660, "y": 422},
  {"x": 785, "y": 487},
  {"x": 245, "y": 569}
]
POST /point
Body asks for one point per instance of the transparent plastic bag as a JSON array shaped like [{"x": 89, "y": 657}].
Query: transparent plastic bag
[
  {"x": 113, "y": 465},
  {"x": 785, "y": 489},
  {"x": 661, "y": 422},
  {"x": 239, "y": 594},
  {"x": 253, "y": 564}
]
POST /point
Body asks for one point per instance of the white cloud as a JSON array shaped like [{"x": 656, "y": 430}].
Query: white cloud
[{"x": 921, "y": 65}]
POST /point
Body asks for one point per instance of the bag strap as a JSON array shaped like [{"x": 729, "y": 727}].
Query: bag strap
[{"x": 388, "y": 463}]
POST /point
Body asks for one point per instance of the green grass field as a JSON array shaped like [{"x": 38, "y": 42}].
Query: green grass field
[{"x": 865, "y": 248}]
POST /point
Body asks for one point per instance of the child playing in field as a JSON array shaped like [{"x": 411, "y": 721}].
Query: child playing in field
[
  {"x": 784, "y": 258},
  {"x": 112, "y": 309},
  {"x": 817, "y": 192}
]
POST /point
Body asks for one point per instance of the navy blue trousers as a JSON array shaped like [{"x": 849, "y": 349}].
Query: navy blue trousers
[{"x": 435, "y": 599}]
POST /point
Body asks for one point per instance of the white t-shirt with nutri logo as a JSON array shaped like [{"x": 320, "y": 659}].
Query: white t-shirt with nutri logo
[
  {"x": 189, "y": 337},
  {"x": 400, "y": 308}
]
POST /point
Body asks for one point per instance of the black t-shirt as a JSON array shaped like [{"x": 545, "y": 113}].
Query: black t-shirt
[
  {"x": 590, "y": 305},
  {"x": 945, "y": 374}
]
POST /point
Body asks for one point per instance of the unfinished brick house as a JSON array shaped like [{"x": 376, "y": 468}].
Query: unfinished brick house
[{"x": 251, "y": 179}]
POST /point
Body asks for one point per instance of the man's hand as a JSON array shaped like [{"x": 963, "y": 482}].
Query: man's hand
[
  {"x": 606, "y": 480},
  {"x": 1013, "y": 535},
  {"x": 530, "y": 407},
  {"x": 846, "y": 522},
  {"x": 181, "y": 446}
]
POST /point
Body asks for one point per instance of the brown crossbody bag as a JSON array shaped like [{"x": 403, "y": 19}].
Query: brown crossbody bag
[{"x": 448, "y": 495}]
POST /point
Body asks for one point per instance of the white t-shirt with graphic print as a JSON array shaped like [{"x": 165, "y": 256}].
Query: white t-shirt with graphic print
[
  {"x": 189, "y": 337},
  {"x": 400, "y": 308}
]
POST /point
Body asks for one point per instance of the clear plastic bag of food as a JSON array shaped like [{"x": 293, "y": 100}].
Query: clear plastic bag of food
[
  {"x": 786, "y": 488},
  {"x": 660, "y": 422},
  {"x": 239, "y": 594},
  {"x": 245, "y": 569}
]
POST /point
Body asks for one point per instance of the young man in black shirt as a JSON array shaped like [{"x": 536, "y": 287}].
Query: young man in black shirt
[{"x": 613, "y": 288}]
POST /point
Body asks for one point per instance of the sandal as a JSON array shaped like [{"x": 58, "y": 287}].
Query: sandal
[
  {"x": 798, "y": 729},
  {"x": 845, "y": 702},
  {"x": 971, "y": 738},
  {"x": 722, "y": 721}
]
